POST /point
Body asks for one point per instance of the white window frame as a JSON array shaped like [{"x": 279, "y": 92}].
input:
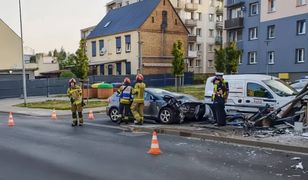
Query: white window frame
[
  {"x": 271, "y": 32},
  {"x": 253, "y": 33},
  {"x": 211, "y": 48},
  {"x": 271, "y": 57},
  {"x": 256, "y": 5},
  {"x": 301, "y": 25},
  {"x": 301, "y": 2},
  {"x": 199, "y": 16},
  {"x": 210, "y": 64},
  {"x": 271, "y": 6},
  {"x": 211, "y": 32},
  {"x": 300, "y": 57},
  {"x": 198, "y": 32},
  {"x": 252, "y": 55},
  {"x": 240, "y": 59},
  {"x": 198, "y": 62}
]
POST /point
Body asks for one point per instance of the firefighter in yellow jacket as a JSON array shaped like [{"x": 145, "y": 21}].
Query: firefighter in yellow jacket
[
  {"x": 74, "y": 92},
  {"x": 125, "y": 92},
  {"x": 138, "y": 100}
]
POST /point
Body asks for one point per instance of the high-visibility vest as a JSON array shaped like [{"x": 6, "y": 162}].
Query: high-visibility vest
[
  {"x": 76, "y": 94},
  {"x": 125, "y": 94}
]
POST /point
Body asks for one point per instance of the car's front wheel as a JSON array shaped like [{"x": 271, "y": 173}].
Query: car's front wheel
[
  {"x": 114, "y": 114},
  {"x": 166, "y": 115}
]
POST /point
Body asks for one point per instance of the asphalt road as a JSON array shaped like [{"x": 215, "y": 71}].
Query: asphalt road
[{"x": 38, "y": 148}]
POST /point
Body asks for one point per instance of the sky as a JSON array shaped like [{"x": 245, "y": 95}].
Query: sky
[{"x": 52, "y": 24}]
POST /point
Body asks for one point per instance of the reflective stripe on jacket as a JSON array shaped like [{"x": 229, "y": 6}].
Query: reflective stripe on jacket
[
  {"x": 138, "y": 92},
  {"x": 125, "y": 94},
  {"x": 75, "y": 94}
]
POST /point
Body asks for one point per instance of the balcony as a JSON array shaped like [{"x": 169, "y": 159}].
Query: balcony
[
  {"x": 219, "y": 10},
  {"x": 192, "y": 54},
  {"x": 219, "y": 25},
  {"x": 235, "y": 23},
  {"x": 218, "y": 40},
  {"x": 190, "y": 22},
  {"x": 190, "y": 7},
  {"x": 235, "y": 3},
  {"x": 192, "y": 38},
  {"x": 179, "y": 5}
]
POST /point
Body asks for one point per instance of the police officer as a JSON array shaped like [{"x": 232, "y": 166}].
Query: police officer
[
  {"x": 74, "y": 92},
  {"x": 125, "y": 92},
  {"x": 220, "y": 95},
  {"x": 138, "y": 100}
]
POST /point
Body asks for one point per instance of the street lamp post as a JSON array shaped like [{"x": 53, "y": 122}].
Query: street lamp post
[{"x": 22, "y": 58}]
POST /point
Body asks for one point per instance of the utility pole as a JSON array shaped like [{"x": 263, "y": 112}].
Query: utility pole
[{"x": 22, "y": 57}]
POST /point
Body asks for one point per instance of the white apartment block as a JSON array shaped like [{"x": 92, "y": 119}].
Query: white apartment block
[{"x": 204, "y": 20}]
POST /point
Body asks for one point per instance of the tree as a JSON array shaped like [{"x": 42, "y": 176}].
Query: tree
[
  {"x": 226, "y": 59},
  {"x": 33, "y": 59},
  {"x": 178, "y": 58},
  {"x": 61, "y": 56},
  {"x": 55, "y": 53},
  {"x": 67, "y": 74},
  {"x": 220, "y": 57},
  {"x": 50, "y": 53},
  {"x": 178, "y": 63},
  {"x": 81, "y": 68},
  {"x": 232, "y": 56}
]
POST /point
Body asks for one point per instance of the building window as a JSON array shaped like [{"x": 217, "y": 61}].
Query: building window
[
  {"x": 199, "y": 16},
  {"x": 211, "y": 32},
  {"x": 101, "y": 47},
  {"x": 191, "y": 46},
  {"x": 211, "y": 48},
  {"x": 93, "y": 48},
  {"x": 199, "y": 47},
  {"x": 240, "y": 59},
  {"x": 198, "y": 32},
  {"x": 219, "y": 18},
  {"x": 191, "y": 63},
  {"x": 164, "y": 2},
  {"x": 254, "y": 9},
  {"x": 118, "y": 45},
  {"x": 239, "y": 35},
  {"x": 271, "y": 5},
  {"x": 211, "y": 17},
  {"x": 300, "y": 55},
  {"x": 252, "y": 57},
  {"x": 212, "y": 3},
  {"x": 153, "y": 20},
  {"x": 301, "y": 2},
  {"x": 128, "y": 68},
  {"x": 200, "y": 2},
  {"x": 198, "y": 63},
  {"x": 253, "y": 33},
  {"x": 271, "y": 32},
  {"x": 271, "y": 57},
  {"x": 127, "y": 44},
  {"x": 301, "y": 27},
  {"x": 210, "y": 63}
]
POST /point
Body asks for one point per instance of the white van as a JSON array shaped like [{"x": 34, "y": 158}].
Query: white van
[{"x": 249, "y": 92}]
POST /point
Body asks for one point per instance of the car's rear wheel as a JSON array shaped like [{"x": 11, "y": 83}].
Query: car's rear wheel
[
  {"x": 166, "y": 115},
  {"x": 114, "y": 114}
]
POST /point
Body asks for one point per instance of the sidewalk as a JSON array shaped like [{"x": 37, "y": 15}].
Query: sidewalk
[
  {"x": 7, "y": 105},
  {"x": 230, "y": 134}
]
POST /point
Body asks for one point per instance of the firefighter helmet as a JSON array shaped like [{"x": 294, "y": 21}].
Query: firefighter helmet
[
  {"x": 139, "y": 77},
  {"x": 126, "y": 80}
]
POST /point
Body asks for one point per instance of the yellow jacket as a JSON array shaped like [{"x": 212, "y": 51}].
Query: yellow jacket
[
  {"x": 138, "y": 92},
  {"x": 75, "y": 94}
]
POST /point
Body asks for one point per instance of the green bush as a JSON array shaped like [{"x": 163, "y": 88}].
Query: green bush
[{"x": 67, "y": 74}]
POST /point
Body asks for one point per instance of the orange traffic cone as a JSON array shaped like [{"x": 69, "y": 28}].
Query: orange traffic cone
[
  {"x": 91, "y": 115},
  {"x": 11, "y": 120},
  {"x": 154, "y": 145},
  {"x": 53, "y": 115}
]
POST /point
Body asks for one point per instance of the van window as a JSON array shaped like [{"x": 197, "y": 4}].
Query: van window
[{"x": 256, "y": 90}]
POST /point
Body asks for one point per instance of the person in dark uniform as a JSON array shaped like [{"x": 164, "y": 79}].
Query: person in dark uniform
[{"x": 220, "y": 95}]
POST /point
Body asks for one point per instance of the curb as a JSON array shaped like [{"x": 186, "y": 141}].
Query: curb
[
  {"x": 45, "y": 115},
  {"x": 246, "y": 142}
]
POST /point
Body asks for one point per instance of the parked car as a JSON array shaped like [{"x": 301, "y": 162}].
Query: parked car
[
  {"x": 249, "y": 92},
  {"x": 299, "y": 84},
  {"x": 158, "y": 108}
]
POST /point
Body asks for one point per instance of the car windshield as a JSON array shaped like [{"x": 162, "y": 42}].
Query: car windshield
[{"x": 280, "y": 88}]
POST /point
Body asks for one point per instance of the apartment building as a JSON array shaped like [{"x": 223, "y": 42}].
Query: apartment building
[
  {"x": 272, "y": 35},
  {"x": 138, "y": 37},
  {"x": 204, "y": 20}
]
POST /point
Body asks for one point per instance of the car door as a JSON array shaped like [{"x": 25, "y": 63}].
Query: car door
[
  {"x": 257, "y": 95},
  {"x": 150, "y": 105}
]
